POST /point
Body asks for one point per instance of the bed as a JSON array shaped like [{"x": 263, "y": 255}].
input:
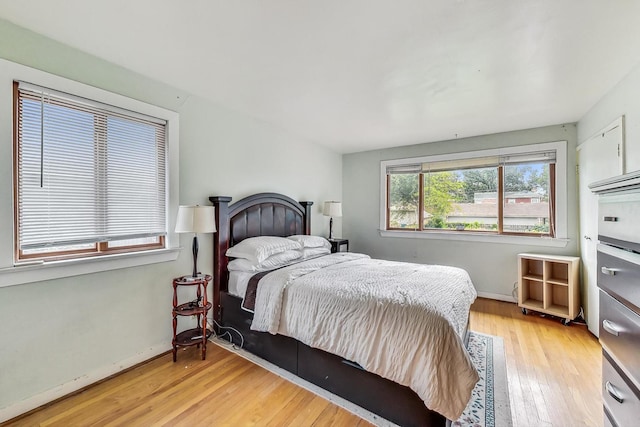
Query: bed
[{"x": 272, "y": 214}]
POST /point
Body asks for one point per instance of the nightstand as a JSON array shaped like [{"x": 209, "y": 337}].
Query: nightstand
[
  {"x": 339, "y": 245},
  {"x": 198, "y": 307}
]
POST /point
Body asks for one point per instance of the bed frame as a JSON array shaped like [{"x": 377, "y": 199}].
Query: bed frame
[{"x": 271, "y": 214}]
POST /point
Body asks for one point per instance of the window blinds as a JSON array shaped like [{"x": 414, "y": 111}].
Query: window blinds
[
  {"x": 474, "y": 162},
  {"x": 87, "y": 172}
]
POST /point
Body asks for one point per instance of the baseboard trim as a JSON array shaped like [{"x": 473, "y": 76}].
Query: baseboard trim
[
  {"x": 66, "y": 389},
  {"x": 499, "y": 297}
]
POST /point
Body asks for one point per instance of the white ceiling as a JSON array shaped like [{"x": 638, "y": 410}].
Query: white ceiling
[{"x": 363, "y": 74}]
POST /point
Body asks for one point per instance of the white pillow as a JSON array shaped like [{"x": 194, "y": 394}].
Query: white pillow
[
  {"x": 310, "y": 241},
  {"x": 274, "y": 261},
  {"x": 314, "y": 252},
  {"x": 258, "y": 249}
]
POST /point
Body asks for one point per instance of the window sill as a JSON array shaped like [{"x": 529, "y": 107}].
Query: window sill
[
  {"x": 37, "y": 272},
  {"x": 478, "y": 237}
]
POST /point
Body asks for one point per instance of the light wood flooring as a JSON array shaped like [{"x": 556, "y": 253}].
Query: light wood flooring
[
  {"x": 554, "y": 371},
  {"x": 553, "y": 374}
]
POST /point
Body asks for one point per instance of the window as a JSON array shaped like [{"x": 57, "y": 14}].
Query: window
[
  {"x": 509, "y": 191},
  {"x": 90, "y": 178}
]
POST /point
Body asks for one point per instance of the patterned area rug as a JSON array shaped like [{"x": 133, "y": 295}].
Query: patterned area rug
[{"x": 489, "y": 405}]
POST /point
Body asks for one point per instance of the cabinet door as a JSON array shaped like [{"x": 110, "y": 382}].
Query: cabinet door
[{"x": 599, "y": 157}]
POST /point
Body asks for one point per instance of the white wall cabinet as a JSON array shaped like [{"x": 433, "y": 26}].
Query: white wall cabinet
[
  {"x": 599, "y": 157},
  {"x": 549, "y": 284}
]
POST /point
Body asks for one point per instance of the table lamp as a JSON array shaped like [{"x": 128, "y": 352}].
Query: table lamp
[
  {"x": 195, "y": 219},
  {"x": 332, "y": 209}
]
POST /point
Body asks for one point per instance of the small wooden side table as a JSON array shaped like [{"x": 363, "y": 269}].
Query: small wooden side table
[
  {"x": 337, "y": 243},
  {"x": 199, "y": 307}
]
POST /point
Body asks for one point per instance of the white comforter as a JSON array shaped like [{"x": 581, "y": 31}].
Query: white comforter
[{"x": 401, "y": 321}]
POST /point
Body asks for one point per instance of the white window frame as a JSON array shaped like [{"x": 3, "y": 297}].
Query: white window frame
[
  {"x": 561, "y": 237},
  {"x": 12, "y": 273}
]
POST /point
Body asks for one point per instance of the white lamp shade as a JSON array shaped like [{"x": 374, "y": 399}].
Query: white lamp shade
[
  {"x": 332, "y": 209},
  {"x": 196, "y": 219}
]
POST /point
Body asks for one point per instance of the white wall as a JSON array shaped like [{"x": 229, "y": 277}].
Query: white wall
[
  {"x": 492, "y": 266},
  {"x": 58, "y": 335},
  {"x": 623, "y": 99}
]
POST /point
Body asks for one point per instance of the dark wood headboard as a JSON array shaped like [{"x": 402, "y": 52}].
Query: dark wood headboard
[{"x": 263, "y": 214}]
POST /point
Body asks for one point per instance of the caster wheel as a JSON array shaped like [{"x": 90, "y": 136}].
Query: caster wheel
[
  {"x": 566, "y": 322},
  {"x": 524, "y": 311}
]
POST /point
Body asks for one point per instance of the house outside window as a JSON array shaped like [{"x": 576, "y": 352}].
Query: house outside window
[{"x": 503, "y": 192}]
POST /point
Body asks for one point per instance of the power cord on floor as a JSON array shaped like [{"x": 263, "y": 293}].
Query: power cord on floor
[
  {"x": 227, "y": 333},
  {"x": 580, "y": 320}
]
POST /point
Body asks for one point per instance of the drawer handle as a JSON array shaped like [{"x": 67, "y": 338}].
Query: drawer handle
[
  {"x": 608, "y": 271},
  {"x": 610, "y": 219},
  {"x": 613, "y": 392},
  {"x": 610, "y": 327}
]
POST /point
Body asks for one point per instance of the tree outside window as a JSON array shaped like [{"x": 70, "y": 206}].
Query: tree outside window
[{"x": 508, "y": 198}]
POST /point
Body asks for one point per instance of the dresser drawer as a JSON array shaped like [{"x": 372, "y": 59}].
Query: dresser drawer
[
  {"x": 621, "y": 401},
  {"x": 617, "y": 219},
  {"x": 619, "y": 275},
  {"x": 620, "y": 335}
]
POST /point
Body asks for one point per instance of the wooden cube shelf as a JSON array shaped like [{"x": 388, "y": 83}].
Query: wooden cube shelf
[{"x": 549, "y": 284}]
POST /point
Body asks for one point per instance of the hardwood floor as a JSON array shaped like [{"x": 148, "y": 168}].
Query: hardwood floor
[
  {"x": 224, "y": 390},
  {"x": 553, "y": 373}
]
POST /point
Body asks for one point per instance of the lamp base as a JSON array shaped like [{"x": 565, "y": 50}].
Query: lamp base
[
  {"x": 330, "y": 228},
  {"x": 194, "y": 248}
]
